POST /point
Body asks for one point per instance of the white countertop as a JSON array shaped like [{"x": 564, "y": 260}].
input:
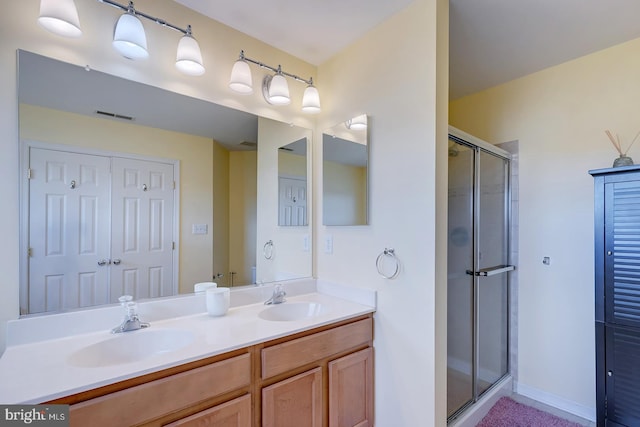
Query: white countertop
[{"x": 35, "y": 371}]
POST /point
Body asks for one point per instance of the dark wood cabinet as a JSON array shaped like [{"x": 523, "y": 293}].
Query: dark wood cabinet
[{"x": 617, "y": 295}]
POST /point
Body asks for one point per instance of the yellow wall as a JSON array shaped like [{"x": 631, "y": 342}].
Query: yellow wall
[
  {"x": 242, "y": 216},
  {"x": 292, "y": 164},
  {"x": 196, "y": 172},
  {"x": 221, "y": 214},
  {"x": 559, "y": 116},
  {"x": 344, "y": 194}
]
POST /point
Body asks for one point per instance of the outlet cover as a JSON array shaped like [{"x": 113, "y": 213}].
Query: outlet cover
[{"x": 328, "y": 244}]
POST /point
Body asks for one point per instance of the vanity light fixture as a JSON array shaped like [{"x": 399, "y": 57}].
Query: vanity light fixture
[
  {"x": 129, "y": 38},
  {"x": 274, "y": 87},
  {"x": 60, "y": 17},
  {"x": 357, "y": 123}
]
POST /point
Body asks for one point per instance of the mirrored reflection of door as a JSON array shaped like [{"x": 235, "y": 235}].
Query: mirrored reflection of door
[{"x": 478, "y": 258}]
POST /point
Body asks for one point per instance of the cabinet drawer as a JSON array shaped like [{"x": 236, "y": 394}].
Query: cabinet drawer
[
  {"x": 160, "y": 397},
  {"x": 284, "y": 357},
  {"x": 235, "y": 413}
]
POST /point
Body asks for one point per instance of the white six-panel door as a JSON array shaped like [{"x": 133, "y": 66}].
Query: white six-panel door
[
  {"x": 292, "y": 200},
  {"x": 68, "y": 230},
  {"x": 142, "y": 222},
  {"x": 99, "y": 227}
]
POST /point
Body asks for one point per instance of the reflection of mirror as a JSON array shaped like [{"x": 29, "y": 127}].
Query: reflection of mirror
[
  {"x": 210, "y": 149},
  {"x": 292, "y": 183},
  {"x": 345, "y": 174}
]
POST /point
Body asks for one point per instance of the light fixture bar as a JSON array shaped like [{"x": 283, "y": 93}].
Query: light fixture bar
[
  {"x": 144, "y": 15},
  {"x": 274, "y": 69}
]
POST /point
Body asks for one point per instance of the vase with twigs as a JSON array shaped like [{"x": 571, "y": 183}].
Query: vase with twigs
[{"x": 623, "y": 159}]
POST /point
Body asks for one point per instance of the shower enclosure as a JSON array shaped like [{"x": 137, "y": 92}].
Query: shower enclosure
[{"x": 478, "y": 266}]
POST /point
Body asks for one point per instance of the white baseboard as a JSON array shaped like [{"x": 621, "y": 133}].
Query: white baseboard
[{"x": 586, "y": 412}]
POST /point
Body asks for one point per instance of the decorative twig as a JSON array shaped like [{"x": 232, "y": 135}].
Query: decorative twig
[
  {"x": 616, "y": 145},
  {"x": 632, "y": 142}
]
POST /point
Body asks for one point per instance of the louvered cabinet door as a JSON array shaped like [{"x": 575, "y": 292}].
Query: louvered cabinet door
[
  {"x": 622, "y": 253},
  {"x": 623, "y": 376}
]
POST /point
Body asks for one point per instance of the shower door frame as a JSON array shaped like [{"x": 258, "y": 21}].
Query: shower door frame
[{"x": 478, "y": 146}]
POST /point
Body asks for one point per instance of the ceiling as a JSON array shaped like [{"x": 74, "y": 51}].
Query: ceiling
[
  {"x": 491, "y": 41},
  {"x": 54, "y": 84}
]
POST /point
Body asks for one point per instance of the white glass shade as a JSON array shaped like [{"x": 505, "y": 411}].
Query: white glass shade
[
  {"x": 240, "y": 80},
  {"x": 357, "y": 123},
  {"x": 60, "y": 17},
  {"x": 189, "y": 58},
  {"x": 311, "y": 100},
  {"x": 129, "y": 38},
  {"x": 279, "y": 90}
]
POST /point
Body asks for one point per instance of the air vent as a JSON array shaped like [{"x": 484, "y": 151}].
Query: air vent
[
  {"x": 114, "y": 115},
  {"x": 249, "y": 144}
]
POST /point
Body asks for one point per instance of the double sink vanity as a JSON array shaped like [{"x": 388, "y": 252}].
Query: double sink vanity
[{"x": 306, "y": 361}]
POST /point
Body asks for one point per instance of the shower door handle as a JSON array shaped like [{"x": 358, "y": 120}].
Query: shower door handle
[{"x": 492, "y": 271}]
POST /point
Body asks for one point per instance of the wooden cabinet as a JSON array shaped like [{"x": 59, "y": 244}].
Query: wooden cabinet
[
  {"x": 617, "y": 295},
  {"x": 335, "y": 387},
  {"x": 351, "y": 390},
  {"x": 317, "y": 378},
  {"x": 294, "y": 402}
]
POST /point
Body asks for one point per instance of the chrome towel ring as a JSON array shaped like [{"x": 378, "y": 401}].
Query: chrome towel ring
[
  {"x": 388, "y": 254},
  {"x": 267, "y": 249}
]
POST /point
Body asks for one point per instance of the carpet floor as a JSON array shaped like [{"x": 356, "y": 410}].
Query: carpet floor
[{"x": 509, "y": 413}]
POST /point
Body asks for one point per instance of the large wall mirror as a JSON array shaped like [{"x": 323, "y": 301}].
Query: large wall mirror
[
  {"x": 345, "y": 159},
  {"x": 100, "y": 216}
]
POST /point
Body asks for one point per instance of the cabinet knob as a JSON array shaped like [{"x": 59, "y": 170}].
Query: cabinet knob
[
  {"x": 610, "y": 373},
  {"x": 609, "y": 253}
]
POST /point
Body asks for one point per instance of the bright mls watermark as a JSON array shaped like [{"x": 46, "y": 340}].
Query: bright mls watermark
[{"x": 34, "y": 415}]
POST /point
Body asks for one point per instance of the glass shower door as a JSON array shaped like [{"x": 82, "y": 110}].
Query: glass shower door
[
  {"x": 460, "y": 259},
  {"x": 478, "y": 255},
  {"x": 491, "y": 273}
]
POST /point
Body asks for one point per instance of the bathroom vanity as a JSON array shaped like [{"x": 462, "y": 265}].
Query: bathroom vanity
[
  {"x": 306, "y": 362},
  {"x": 298, "y": 380}
]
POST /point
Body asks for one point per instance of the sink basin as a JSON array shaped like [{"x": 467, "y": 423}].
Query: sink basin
[
  {"x": 131, "y": 347},
  {"x": 290, "y": 311}
]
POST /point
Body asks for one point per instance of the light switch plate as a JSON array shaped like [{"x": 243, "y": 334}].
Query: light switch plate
[{"x": 199, "y": 229}]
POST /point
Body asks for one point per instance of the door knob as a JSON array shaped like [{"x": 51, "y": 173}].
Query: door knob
[
  {"x": 103, "y": 262},
  {"x": 117, "y": 261}
]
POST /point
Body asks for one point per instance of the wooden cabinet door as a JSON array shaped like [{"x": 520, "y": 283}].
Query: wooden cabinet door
[
  {"x": 235, "y": 413},
  {"x": 351, "y": 390},
  {"x": 294, "y": 402}
]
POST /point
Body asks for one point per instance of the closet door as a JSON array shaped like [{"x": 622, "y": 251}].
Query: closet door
[
  {"x": 69, "y": 226},
  {"x": 142, "y": 236}
]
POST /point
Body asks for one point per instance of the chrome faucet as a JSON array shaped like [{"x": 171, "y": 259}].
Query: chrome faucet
[
  {"x": 131, "y": 320},
  {"x": 278, "y": 295}
]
